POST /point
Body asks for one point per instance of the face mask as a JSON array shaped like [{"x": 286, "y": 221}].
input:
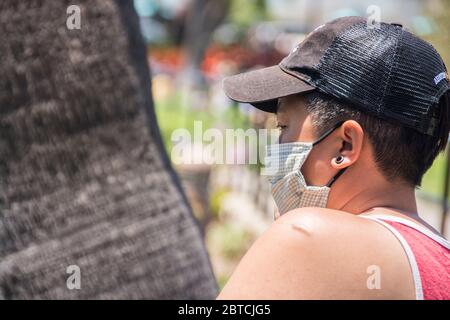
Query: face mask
[{"x": 288, "y": 186}]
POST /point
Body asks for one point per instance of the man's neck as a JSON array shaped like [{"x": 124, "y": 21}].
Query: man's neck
[{"x": 397, "y": 197}]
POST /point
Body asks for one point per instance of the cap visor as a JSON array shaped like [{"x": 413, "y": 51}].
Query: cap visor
[{"x": 263, "y": 87}]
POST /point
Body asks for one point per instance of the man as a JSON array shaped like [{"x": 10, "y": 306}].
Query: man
[{"x": 363, "y": 112}]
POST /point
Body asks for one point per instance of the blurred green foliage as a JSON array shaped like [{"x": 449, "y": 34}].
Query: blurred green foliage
[
  {"x": 172, "y": 115},
  {"x": 441, "y": 37},
  {"x": 244, "y": 13},
  {"x": 216, "y": 200},
  {"x": 232, "y": 240},
  {"x": 433, "y": 181}
]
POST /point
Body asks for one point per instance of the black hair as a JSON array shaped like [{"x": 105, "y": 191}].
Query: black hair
[{"x": 400, "y": 152}]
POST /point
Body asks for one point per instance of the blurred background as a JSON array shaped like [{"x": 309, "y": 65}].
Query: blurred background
[{"x": 193, "y": 44}]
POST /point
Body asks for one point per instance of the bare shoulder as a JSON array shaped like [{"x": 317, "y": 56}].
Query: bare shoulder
[
  {"x": 321, "y": 219},
  {"x": 316, "y": 253}
]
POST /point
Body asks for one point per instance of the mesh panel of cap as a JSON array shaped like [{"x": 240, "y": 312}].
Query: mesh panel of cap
[{"x": 384, "y": 71}]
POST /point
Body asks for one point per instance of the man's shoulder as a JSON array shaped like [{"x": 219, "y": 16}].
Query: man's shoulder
[
  {"x": 347, "y": 247},
  {"x": 322, "y": 219},
  {"x": 316, "y": 253},
  {"x": 321, "y": 226},
  {"x": 335, "y": 235}
]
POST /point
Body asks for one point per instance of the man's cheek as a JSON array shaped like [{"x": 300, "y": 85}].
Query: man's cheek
[
  {"x": 289, "y": 135},
  {"x": 315, "y": 170}
]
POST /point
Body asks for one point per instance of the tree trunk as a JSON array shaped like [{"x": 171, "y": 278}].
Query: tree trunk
[
  {"x": 84, "y": 179},
  {"x": 203, "y": 18}
]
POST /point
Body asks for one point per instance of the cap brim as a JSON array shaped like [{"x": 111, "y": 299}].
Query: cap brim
[{"x": 263, "y": 87}]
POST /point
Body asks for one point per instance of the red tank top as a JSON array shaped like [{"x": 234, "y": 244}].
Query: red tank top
[{"x": 428, "y": 255}]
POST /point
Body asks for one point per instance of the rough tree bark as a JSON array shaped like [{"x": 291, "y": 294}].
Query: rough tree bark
[{"x": 84, "y": 179}]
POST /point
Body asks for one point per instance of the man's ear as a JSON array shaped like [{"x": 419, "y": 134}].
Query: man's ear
[{"x": 352, "y": 136}]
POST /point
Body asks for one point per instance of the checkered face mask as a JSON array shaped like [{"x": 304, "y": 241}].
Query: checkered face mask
[{"x": 288, "y": 186}]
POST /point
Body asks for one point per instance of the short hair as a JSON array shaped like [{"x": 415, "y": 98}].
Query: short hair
[{"x": 400, "y": 152}]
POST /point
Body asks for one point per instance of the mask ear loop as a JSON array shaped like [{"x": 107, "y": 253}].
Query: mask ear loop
[
  {"x": 335, "y": 177},
  {"x": 325, "y": 135}
]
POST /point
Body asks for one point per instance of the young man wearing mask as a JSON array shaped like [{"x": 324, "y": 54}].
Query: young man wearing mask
[{"x": 363, "y": 112}]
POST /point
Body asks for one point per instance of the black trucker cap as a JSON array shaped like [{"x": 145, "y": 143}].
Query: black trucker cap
[{"x": 386, "y": 71}]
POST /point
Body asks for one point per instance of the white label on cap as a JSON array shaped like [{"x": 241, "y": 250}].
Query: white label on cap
[
  {"x": 441, "y": 76},
  {"x": 319, "y": 27}
]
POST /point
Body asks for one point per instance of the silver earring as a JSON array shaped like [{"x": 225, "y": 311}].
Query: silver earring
[{"x": 339, "y": 159}]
